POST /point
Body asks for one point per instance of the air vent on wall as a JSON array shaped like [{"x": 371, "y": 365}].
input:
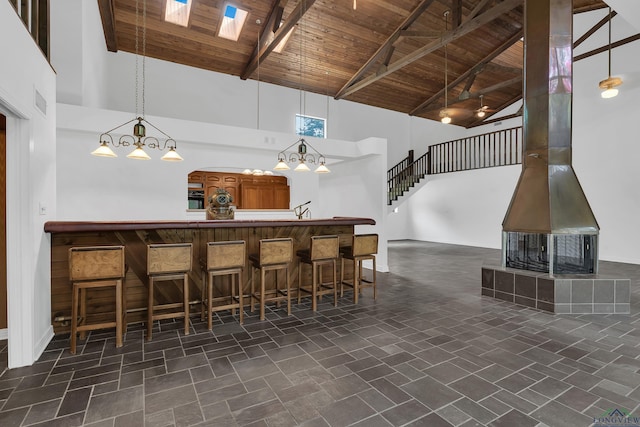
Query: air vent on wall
[{"x": 41, "y": 103}]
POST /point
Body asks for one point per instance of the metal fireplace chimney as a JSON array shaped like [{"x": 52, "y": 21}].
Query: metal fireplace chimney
[{"x": 549, "y": 226}]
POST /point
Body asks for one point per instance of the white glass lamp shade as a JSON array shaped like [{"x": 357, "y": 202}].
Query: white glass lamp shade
[
  {"x": 446, "y": 120},
  {"x": 138, "y": 154},
  {"x": 480, "y": 114},
  {"x": 609, "y": 93},
  {"x": 172, "y": 156},
  {"x": 609, "y": 87},
  {"x": 104, "y": 150},
  {"x": 302, "y": 167},
  {"x": 247, "y": 172},
  {"x": 322, "y": 169},
  {"x": 281, "y": 166}
]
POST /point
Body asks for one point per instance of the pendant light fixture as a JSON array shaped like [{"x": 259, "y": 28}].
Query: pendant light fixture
[
  {"x": 445, "y": 118},
  {"x": 302, "y": 156},
  {"x": 139, "y": 139},
  {"x": 610, "y": 85}
]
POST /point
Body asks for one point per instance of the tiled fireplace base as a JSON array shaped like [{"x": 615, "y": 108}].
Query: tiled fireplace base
[{"x": 566, "y": 294}]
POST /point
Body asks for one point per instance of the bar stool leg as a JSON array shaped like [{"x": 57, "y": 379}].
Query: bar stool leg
[
  {"x": 286, "y": 271},
  {"x": 300, "y": 264},
  {"x": 335, "y": 285},
  {"x": 253, "y": 282},
  {"x": 262, "y": 292},
  {"x": 119, "y": 314},
  {"x": 314, "y": 286},
  {"x": 203, "y": 295},
  {"x": 356, "y": 281},
  {"x": 83, "y": 311},
  {"x": 74, "y": 318},
  {"x": 375, "y": 287},
  {"x": 210, "y": 301},
  {"x": 150, "y": 308},
  {"x": 185, "y": 291},
  {"x": 240, "y": 297}
]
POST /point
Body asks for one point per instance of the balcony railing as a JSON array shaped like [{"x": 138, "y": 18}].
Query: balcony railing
[
  {"x": 499, "y": 148},
  {"x": 35, "y": 15}
]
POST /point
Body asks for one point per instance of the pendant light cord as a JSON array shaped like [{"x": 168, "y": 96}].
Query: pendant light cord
[
  {"x": 144, "y": 52},
  {"x": 137, "y": 51},
  {"x": 446, "y": 61},
  {"x": 609, "y": 41}
]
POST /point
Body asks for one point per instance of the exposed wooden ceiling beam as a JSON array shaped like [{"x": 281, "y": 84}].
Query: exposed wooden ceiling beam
[
  {"x": 415, "y": 14},
  {"x": 483, "y": 92},
  {"x": 473, "y": 70},
  {"x": 108, "y": 24},
  {"x": 479, "y": 7},
  {"x": 606, "y": 47},
  {"x": 295, "y": 17},
  {"x": 462, "y": 30},
  {"x": 593, "y": 29},
  {"x": 499, "y": 119}
]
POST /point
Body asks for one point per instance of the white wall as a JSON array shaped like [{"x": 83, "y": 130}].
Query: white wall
[
  {"x": 95, "y": 188},
  {"x": 31, "y": 184},
  {"x": 190, "y": 93},
  {"x": 356, "y": 188},
  {"x": 468, "y": 207}
]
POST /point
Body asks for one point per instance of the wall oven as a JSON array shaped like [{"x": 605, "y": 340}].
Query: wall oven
[{"x": 196, "y": 198}]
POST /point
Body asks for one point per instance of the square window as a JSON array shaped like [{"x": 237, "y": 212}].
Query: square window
[{"x": 311, "y": 126}]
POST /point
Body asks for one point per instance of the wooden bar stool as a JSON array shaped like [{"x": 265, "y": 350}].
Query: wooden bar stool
[
  {"x": 93, "y": 267},
  {"x": 168, "y": 262},
  {"x": 324, "y": 250},
  {"x": 223, "y": 258},
  {"x": 364, "y": 247},
  {"x": 274, "y": 255}
]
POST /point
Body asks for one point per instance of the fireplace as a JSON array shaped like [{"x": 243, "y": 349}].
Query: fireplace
[
  {"x": 549, "y": 233},
  {"x": 551, "y": 253}
]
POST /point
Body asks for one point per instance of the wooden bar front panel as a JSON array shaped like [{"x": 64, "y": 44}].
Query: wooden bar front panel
[{"x": 136, "y": 282}]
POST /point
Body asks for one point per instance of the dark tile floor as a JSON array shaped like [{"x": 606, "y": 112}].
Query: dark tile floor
[{"x": 429, "y": 352}]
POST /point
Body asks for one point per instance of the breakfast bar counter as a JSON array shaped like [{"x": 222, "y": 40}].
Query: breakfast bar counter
[{"x": 136, "y": 235}]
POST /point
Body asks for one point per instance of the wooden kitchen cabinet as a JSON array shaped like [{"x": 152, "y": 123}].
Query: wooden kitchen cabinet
[{"x": 247, "y": 191}]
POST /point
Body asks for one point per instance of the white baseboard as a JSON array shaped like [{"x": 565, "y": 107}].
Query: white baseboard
[{"x": 42, "y": 344}]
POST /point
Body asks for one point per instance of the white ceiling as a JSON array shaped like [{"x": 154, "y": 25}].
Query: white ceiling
[{"x": 629, "y": 10}]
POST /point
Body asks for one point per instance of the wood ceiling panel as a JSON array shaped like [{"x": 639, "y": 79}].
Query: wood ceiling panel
[{"x": 335, "y": 42}]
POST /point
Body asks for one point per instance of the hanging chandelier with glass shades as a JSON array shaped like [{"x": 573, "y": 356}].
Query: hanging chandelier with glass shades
[
  {"x": 302, "y": 157},
  {"x": 139, "y": 139}
]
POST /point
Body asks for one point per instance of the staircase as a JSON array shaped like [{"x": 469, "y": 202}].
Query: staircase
[{"x": 492, "y": 149}]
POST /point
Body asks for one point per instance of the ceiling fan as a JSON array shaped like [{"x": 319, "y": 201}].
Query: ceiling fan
[{"x": 483, "y": 110}]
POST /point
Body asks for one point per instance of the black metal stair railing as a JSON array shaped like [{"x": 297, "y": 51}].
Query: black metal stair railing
[{"x": 492, "y": 149}]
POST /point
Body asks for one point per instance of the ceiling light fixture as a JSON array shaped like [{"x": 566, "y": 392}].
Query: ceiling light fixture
[
  {"x": 446, "y": 119},
  {"x": 610, "y": 85},
  {"x": 301, "y": 156},
  {"x": 480, "y": 112},
  {"x": 139, "y": 138}
]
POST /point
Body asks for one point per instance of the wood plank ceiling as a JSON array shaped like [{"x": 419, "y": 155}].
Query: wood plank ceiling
[{"x": 385, "y": 53}]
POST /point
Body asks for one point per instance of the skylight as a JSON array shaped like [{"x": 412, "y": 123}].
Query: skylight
[
  {"x": 177, "y": 12},
  {"x": 232, "y": 22}
]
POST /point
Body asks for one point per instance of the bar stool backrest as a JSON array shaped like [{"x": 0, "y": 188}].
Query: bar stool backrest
[
  {"x": 365, "y": 244},
  {"x": 230, "y": 254},
  {"x": 96, "y": 263},
  {"x": 167, "y": 258},
  {"x": 324, "y": 247},
  {"x": 276, "y": 251}
]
